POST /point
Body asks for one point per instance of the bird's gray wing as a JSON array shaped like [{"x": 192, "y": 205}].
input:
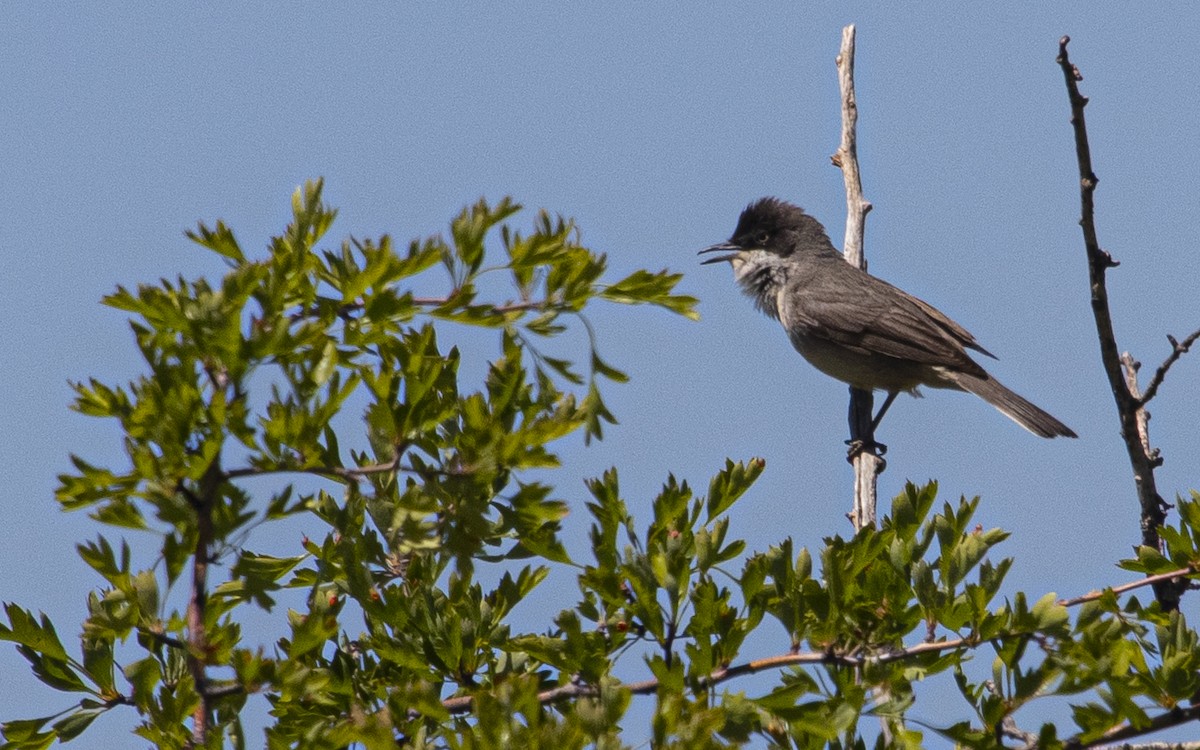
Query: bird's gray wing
[{"x": 870, "y": 316}]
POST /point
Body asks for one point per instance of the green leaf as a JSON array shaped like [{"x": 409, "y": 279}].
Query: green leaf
[
  {"x": 600, "y": 367},
  {"x": 470, "y": 227},
  {"x": 731, "y": 483},
  {"x": 1049, "y": 614},
  {"x": 26, "y": 734},
  {"x": 644, "y": 287},
  {"x": 73, "y": 724},
  {"x": 219, "y": 240},
  {"x": 26, "y": 631},
  {"x": 254, "y": 576}
]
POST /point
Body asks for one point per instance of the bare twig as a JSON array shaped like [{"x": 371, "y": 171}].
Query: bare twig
[
  {"x": 846, "y": 158},
  {"x": 163, "y": 638},
  {"x": 1147, "y": 581},
  {"x": 1153, "y": 509},
  {"x": 1178, "y": 349},
  {"x": 221, "y": 691},
  {"x": 1172, "y": 718},
  {"x": 864, "y": 455},
  {"x": 340, "y": 472},
  {"x": 1010, "y": 729},
  {"x": 351, "y": 307},
  {"x": 501, "y": 309},
  {"x": 464, "y": 703},
  {"x": 1155, "y": 746}
]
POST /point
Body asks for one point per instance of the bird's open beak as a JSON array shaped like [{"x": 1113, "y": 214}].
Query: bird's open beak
[{"x": 731, "y": 251}]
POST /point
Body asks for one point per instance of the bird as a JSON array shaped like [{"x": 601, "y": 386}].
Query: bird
[{"x": 856, "y": 327}]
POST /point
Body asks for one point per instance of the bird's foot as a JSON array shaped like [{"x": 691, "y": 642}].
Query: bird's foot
[{"x": 860, "y": 446}]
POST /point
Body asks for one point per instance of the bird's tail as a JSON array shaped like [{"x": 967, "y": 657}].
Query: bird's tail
[{"x": 1012, "y": 406}]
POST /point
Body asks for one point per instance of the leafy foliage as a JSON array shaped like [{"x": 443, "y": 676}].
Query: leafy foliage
[{"x": 400, "y": 642}]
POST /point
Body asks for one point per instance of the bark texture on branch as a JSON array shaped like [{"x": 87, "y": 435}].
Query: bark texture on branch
[{"x": 865, "y": 455}]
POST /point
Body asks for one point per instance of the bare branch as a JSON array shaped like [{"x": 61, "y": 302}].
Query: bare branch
[
  {"x": 846, "y": 158},
  {"x": 339, "y": 472},
  {"x": 1147, "y": 581},
  {"x": 350, "y": 307},
  {"x": 1156, "y": 746},
  {"x": 865, "y": 454},
  {"x": 162, "y": 638},
  {"x": 507, "y": 307},
  {"x": 1178, "y": 349},
  {"x": 220, "y": 691},
  {"x": 464, "y": 703},
  {"x": 1153, "y": 509},
  {"x": 1010, "y": 729},
  {"x": 1172, "y": 718}
]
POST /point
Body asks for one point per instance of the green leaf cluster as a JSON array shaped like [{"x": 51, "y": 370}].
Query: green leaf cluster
[{"x": 316, "y": 382}]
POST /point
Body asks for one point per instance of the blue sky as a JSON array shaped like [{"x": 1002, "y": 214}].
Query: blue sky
[{"x": 125, "y": 124}]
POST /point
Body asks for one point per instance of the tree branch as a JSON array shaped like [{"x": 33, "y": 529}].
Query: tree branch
[
  {"x": 865, "y": 453},
  {"x": 846, "y": 158},
  {"x": 203, "y": 502},
  {"x": 1156, "y": 746},
  {"x": 464, "y": 703},
  {"x": 1147, "y": 581},
  {"x": 340, "y": 472},
  {"x": 349, "y": 307},
  {"x": 1178, "y": 349},
  {"x": 1172, "y": 718},
  {"x": 163, "y": 638},
  {"x": 1153, "y": 509},
  {"x": 505, "y": 308}
]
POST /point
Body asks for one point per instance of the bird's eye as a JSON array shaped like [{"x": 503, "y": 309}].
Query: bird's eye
[{"x": 762, "y": 237}]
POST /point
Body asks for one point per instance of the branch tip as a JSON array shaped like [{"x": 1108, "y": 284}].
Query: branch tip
[{"x": 1178, "y": 349}]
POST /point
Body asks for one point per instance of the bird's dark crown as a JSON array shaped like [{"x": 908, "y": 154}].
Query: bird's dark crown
[{"x": 774, "y": 224}]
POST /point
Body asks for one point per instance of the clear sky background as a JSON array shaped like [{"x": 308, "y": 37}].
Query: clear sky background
[{"x": 121, "y": 125}]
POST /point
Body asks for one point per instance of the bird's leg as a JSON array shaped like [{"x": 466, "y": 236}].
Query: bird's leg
[
  {"x": 883, "y": 410},
  {"x": 862, "y": 426}
]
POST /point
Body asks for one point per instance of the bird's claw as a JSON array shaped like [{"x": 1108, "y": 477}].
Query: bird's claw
[{"x": 858, "y": 446}]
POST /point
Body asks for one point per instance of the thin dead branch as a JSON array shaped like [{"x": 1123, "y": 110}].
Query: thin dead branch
[
  {"x": 1178, "y": 349},
  {"x": 865, "y": 454},
  {"x": 1142, "y": 460}
]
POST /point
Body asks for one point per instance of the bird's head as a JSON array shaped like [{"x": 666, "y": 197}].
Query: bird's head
[
  {"x": 772, "y": 240},
  {"x": 770, "y": 227}
]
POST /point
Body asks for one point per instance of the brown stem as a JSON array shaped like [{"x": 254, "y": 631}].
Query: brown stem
[
  {"x": 1174, "y": 575},
  {"x": 1172, "y": 718},
  {"x": 505, "y": 308},
  {"x": 1153, "y": 509},
  {"x": 197, "y": 637},
  {"x": 341, "y": 472}
]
